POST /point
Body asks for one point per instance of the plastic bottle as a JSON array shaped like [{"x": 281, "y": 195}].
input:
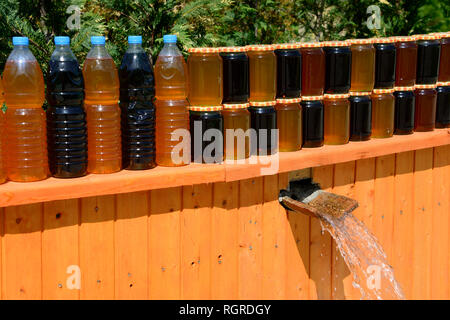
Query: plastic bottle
[
  {"x": 172, "y": 111},
  {"x": 263, "y": 72},
  {"x": 137, "y": 95},
  {"x": 336, "y": 118},
  {"x": 360, "y": 116},
  {"x": 26, "y": 132},
  {"x": 2, "y": 136},
  {"x": 363, "y": 65},
  {"x": 289, "y": 124},
  {"x": 102, "y": 109},
  {"x": 338, "y": 57},
  {"x": 313, "y": 69},
  {"x": 236, "y": 118},
  {"x": 66, "y": 119},
  {"x": 312, "y": 115},
  {"x": 404, "y": 110},
  {"x": 289, "y": 71}
]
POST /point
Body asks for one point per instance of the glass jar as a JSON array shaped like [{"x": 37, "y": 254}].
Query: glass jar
[
  {"x": 428, "y": 55},
  {"x": 235, "y": 75},
  {"x": 313, "y": 69},
  {"x": 205, "y": 77},
  {"x": 385, "y": 59},
  {"x": 444, "y": 64},
  {"x": 312, "y": 114},
  {"x": 289, "y": 124},
  {"x": 336, "y": 118},
  {"x": 425, "y": 110},
  {"x": 383, "y": 104},
  {"x": 263, "y": 70},
  {"x": 363, "y": 65},
  {"x": 236, "y": 125},
  {"x": 443, "y": 107},
  {"x": 360, "y": 116},
  {"x": 289, "y": 71},
  {"x": 404, "y": 110},
  {"x": 263, "y": 119},
  {"x": 338, "y": 62},
  {"x": 406, "y": 61}
]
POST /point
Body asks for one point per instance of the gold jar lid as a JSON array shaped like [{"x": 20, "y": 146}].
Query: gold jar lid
[
  {"x": 205, "y": 108},
  {"x": 426, "y": 86},
  {"x": 282, "y": 46},
  {"x": 232, "y": 49},
  {"x": 409, "y": 88},
  {"x": 312, "y": 98},
  {"x": 262, "y": 103},
  {"x": 204, "y": 50},
  {"x": 381, "y": 91},
  {"x": 359, "y": 93},
  {"x": 336, "y": 95},
  {"x": 288, "y": 100},
  {"x": 235, "y": 105},
  {"x": 261, "y": 47}
]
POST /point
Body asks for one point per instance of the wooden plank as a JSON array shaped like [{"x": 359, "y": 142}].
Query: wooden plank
[
  {"x": 250, "y": 238},
  {"x": 423, "y": 223},
  {"x": 440, "y": 230},
  {"x": 196, "y": 241},
  {"x": 97, "y": 247},
  {"x": 224, "y": 241},
  {"x": 131, "y": 246},
  {"x": 320, "y": 244},
  {"x": 2, "y": 236},
  {"x": 274, "y": 240},
  {"x": 402, "y": 254},
  {"x": 15, "y": 193},
  {"x": 22, "y": 259},
  {"x": 341, "y": 278},
  {"x": 60, "y": 259},
  {"x": 164, "y": 244}
]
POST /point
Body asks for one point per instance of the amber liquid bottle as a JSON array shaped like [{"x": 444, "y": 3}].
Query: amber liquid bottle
[
  {"x": 336, "y": 119},
  {"x": 26, "y": 127},
  {"x": 363, "y": 65},
  {"x": 289, "y": 124},
  {"x": 313, "y": 69},
  {"x": 406, "y": 61},
  {"x": 205, "y": 77},
  {"x": 425, "y": 113},
  {"x": 383, "y": 105},
  {"x": 102, "y": 109},
  {"x": 236, "y": 119},
  {"x": 263, "y": 72}
]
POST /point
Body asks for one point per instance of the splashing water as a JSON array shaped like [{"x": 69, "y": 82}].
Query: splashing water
[{"x": 364, "y": 256}]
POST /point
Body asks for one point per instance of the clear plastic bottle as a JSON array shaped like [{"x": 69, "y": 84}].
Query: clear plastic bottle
[
  {"x": 172, "y": 112},
  {"x": 2, "y": 136},
  {"x": 137, "y": 95},
  {"x": 102, "y": 109},
  {"x": 66, "y": 119},
  {"x": 26, "y": 134}
]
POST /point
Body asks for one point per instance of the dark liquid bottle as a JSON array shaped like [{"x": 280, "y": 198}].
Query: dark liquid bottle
[
  {"x": 404, "y": 112},
  {"x": 428, "y": 53},
  {"x": 444, "y": 63},
  {"x": 385, "y": 60},
  {"x": 289, "y": 72},
  {"x": 338, "y": 70},
  {"x": 137, "y": 92},
  {"x": 406, "y": 62},
  {"x": 199, "y": 122},
  {"x": 313, "y": 115},
  {"x": 425, "y": 112},
  {"x": 360, "y": 117},
  {"x": 66, "y": 119},
  {"x": 443, "y": 107},
  {"x": 264, "y": 118},
  {"x": 235, "y": 77}
]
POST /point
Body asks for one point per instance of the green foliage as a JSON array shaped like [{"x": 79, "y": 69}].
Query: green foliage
[{"x": 209, "y": 22}]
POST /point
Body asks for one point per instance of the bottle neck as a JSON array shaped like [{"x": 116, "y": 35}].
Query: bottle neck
[
  {"x": 135, "y": 47},
  {"x": 98, "y": 51}
]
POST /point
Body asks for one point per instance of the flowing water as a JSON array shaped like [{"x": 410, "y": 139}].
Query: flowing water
[{"x": 364, "y": 256}]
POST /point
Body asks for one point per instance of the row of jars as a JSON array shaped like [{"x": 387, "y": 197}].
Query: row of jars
[
  {"x": 266, "y": 72},
  {"x": 331, "y": 119}
]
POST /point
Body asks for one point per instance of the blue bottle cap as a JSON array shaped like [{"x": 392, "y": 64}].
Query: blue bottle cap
[
  {"x": 62, "y": 41},
  {"x": 134, "y": 39},
  {"x": 170, "y": 38},
  {"x": 20, "y": 41},
  {"x": 98, "y": 40}
]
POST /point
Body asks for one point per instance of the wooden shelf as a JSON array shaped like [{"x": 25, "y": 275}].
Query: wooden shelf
[{"x": 14, "y": 193}]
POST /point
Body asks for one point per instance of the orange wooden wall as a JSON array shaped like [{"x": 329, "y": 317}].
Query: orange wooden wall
[{"x": 232, "y": 240}]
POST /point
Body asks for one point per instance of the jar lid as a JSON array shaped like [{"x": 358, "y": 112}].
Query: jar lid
[
  {"x": 378, "y": 91},
  {"x": 288, "y": 100},
  {"x": 336, "y": 96},
  {"x": 232, "y": 49},
  {"x": 235, "y": 105},
  {"x": 205, "y": 108},
  {"x": 361, "y": 41},
  {"x": 262, "y": 103},
  {"x": 314, "y": 44},
  {"x": 426, "y": 86},
  {"x": 287, "y": 45},
  {"x": 261, "y": 47},
  {"x": 359, "y": 93},
  {"x": 343, "y": 43},
  {"x": 384, "y": 40},
  {"x": 410, "y": 88},
  {"x": 404, "y": 38},
  {"x": 203, "y": 50},
  {"x": 443, "y": 83},
  {"x": 427, "y": 37},
  {"x": 312, "y": 98}
]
